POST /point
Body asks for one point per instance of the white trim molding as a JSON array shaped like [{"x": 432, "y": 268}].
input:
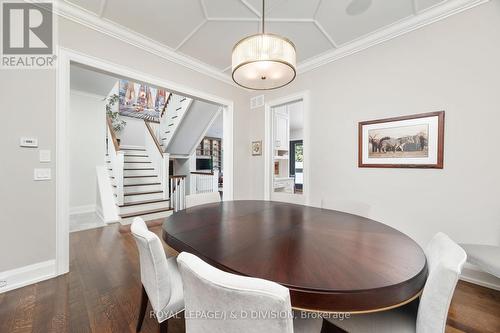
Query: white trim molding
[
  {"x": 473, "y": 274},
  {"x": 304, "y": 198},
  {"x": 65, "y": 58},
  {"x": 26, "y": 275},
  {"x": 421, "y": 18},
  {"x": 93, "y": 21},
  {"x": 82, "y": 209}
]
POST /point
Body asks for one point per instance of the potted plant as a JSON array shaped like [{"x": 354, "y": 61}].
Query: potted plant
[{"x": 116, "y": 122}]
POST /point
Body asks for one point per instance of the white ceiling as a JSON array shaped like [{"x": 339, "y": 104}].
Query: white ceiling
[
  {"x": 90, "y": 81},
  {"x": 206, "y": 30}
]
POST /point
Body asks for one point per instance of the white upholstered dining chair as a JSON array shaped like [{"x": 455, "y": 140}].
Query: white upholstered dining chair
[
  {"x": 161, "y": 281},
  {"x": 202, "y": 199},
  {"x": 486, "y": 257},
  {"x": 445, "y": 260},
  {"x": 215, "y": 296}
]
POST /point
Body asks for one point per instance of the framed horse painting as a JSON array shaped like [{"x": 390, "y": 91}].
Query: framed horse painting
[{"x": 415, "y": 141}]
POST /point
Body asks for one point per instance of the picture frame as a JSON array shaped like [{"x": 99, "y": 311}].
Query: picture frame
[
  {"x": 256, "y": 148},
  {"x": 413, "y": 141}
]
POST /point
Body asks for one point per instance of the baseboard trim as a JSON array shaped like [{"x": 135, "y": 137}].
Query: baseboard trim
[
  {"x": 82, "y": 209},
  {"x": 473, "y": 275},
  {"x": 26, "y": 275}
]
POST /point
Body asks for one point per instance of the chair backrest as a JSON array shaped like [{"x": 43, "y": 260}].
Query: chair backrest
[
  {"x": 212, "y": 292},
  {"x": 202, "y": 198},
  {"x": 155, "y": 275},
  {"x": 445, "y": 260}
]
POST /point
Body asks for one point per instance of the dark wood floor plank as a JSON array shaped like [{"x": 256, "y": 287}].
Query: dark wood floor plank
[
  {"x": 51, "y": 309},
  {"x": 102, "y": 291}
]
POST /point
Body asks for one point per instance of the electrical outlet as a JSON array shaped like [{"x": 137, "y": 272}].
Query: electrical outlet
[{"x": 3, "y": 284}]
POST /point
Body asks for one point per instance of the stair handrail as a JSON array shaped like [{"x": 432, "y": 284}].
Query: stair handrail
[
  {"x": 158, "y": 157},
  {"x": 178, "y": 192},
  {"x": 112, "y": 133},
  {"x": 153, "y": 136},
  {"x": 174, "y": 115},
  {"x": 117, "y": 159}
]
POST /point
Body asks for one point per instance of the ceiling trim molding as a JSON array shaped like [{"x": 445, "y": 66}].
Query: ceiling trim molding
[
  {"x": 102, "y": 8},
  {"x": 326, "y": 34},
  {"x": 424, "y": 18},
  {"x": 250, "y": 7},
  {"x": 90, "y": 20},
  {"x": 188, "y": 37},
  {"x": 110, "y": 28}
]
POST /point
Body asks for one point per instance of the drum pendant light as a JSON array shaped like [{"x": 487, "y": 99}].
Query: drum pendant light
[{"x": 263, "y": 61}]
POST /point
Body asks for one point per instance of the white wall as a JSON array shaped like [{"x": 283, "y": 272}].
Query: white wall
[
  {"x": 87, "y": 147},
  {"x": 29, "y": 101},
  {"x": 133, "y": 133},
  {"x": 452, "y": 65},
  {"x": 296, "y": 134}
]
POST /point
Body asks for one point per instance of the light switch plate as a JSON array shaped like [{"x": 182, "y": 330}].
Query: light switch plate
[
  {"x": 45, "y": 156},
  {"x": 29, "y": 142},
  {"x": 42, "y": 174}
]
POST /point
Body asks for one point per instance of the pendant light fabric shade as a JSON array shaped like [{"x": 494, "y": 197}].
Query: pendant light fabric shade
[{"x": 263, "y": 61}]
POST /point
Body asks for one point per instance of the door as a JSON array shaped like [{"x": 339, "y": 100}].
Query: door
[
  {"x": 281, "y": 128},
  {"x": 297, "y": 164}
]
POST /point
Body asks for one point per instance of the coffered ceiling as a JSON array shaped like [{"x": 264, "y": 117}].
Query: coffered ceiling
[{"x": 204, "y": 31}]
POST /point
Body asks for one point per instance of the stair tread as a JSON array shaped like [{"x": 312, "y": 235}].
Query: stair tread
[
  {"x": 148, "y": 176},
  {"x": 145, "y": 184},
  {"x": 134, "y": 149},
  {"x": 143, "y": 202},
  {"x": 128, "y": 169},
  {"x": 142, "y": 193},
  {"x": 145, "y": 212},
  {"x": 137, "y": 162},
  {"x": 131, "y": 169}
]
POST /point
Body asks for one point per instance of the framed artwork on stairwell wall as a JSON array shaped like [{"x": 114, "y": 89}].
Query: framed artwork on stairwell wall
[{"x": 414, "y": 141}]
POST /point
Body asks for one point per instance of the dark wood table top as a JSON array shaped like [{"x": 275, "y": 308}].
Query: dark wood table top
[{"x": 331, "y": 261}]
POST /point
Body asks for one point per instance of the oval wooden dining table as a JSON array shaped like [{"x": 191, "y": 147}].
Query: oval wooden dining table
[{"x": 331, "y": 261}]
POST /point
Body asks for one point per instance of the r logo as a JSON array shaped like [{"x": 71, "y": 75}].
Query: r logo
[{"x": 27, "y": 28}]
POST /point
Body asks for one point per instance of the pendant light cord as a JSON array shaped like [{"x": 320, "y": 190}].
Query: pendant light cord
[{"x": 263, "y": 15}]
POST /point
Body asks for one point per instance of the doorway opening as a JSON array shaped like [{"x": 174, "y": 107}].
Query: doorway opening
[
  {"x": 136, "y": 157},
  {"x": 286, "y": 149}
]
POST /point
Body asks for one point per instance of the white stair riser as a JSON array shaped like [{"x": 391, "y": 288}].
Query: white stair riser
[
  {"x": 144, "y": 188},
  {"x": 136, "y": 159},
  {"x": 137, "y": 165},
  {"x": 134, "y": 165},
  {"x": 134, "y": 152},
  {"x": 139, "y": 173},
  {"x": 148, "y": 217},
  {"x": 142, "y": 197},
  {"x": 142, "y": 180},
  {"x": 144, "y": 207}
]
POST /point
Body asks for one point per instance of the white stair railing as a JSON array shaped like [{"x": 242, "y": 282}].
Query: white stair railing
[
  {"x": 158, "y": 158},
  {"x": 178, "y": 193},
  {"x": 204, "y": 182},
  {"x": 116, "y": 158},
  {"x": 175, "y": 111}
]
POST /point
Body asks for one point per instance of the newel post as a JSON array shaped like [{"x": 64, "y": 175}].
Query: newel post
[{"x": 120, "y": 158}]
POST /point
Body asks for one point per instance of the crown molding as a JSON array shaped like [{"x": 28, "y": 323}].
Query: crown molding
[
  {"x": 90, "y": 20},
  {"x": 422, "y": 19},
  {"x": 399, "y": 28}
]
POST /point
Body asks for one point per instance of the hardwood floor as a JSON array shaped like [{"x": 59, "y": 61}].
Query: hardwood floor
[{"x": 102, "y": 294}]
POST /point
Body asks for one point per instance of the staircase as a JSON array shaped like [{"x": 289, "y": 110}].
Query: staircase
[
  {"x": 176, "y": 108},
  {"x": 142, "y": 189}
]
